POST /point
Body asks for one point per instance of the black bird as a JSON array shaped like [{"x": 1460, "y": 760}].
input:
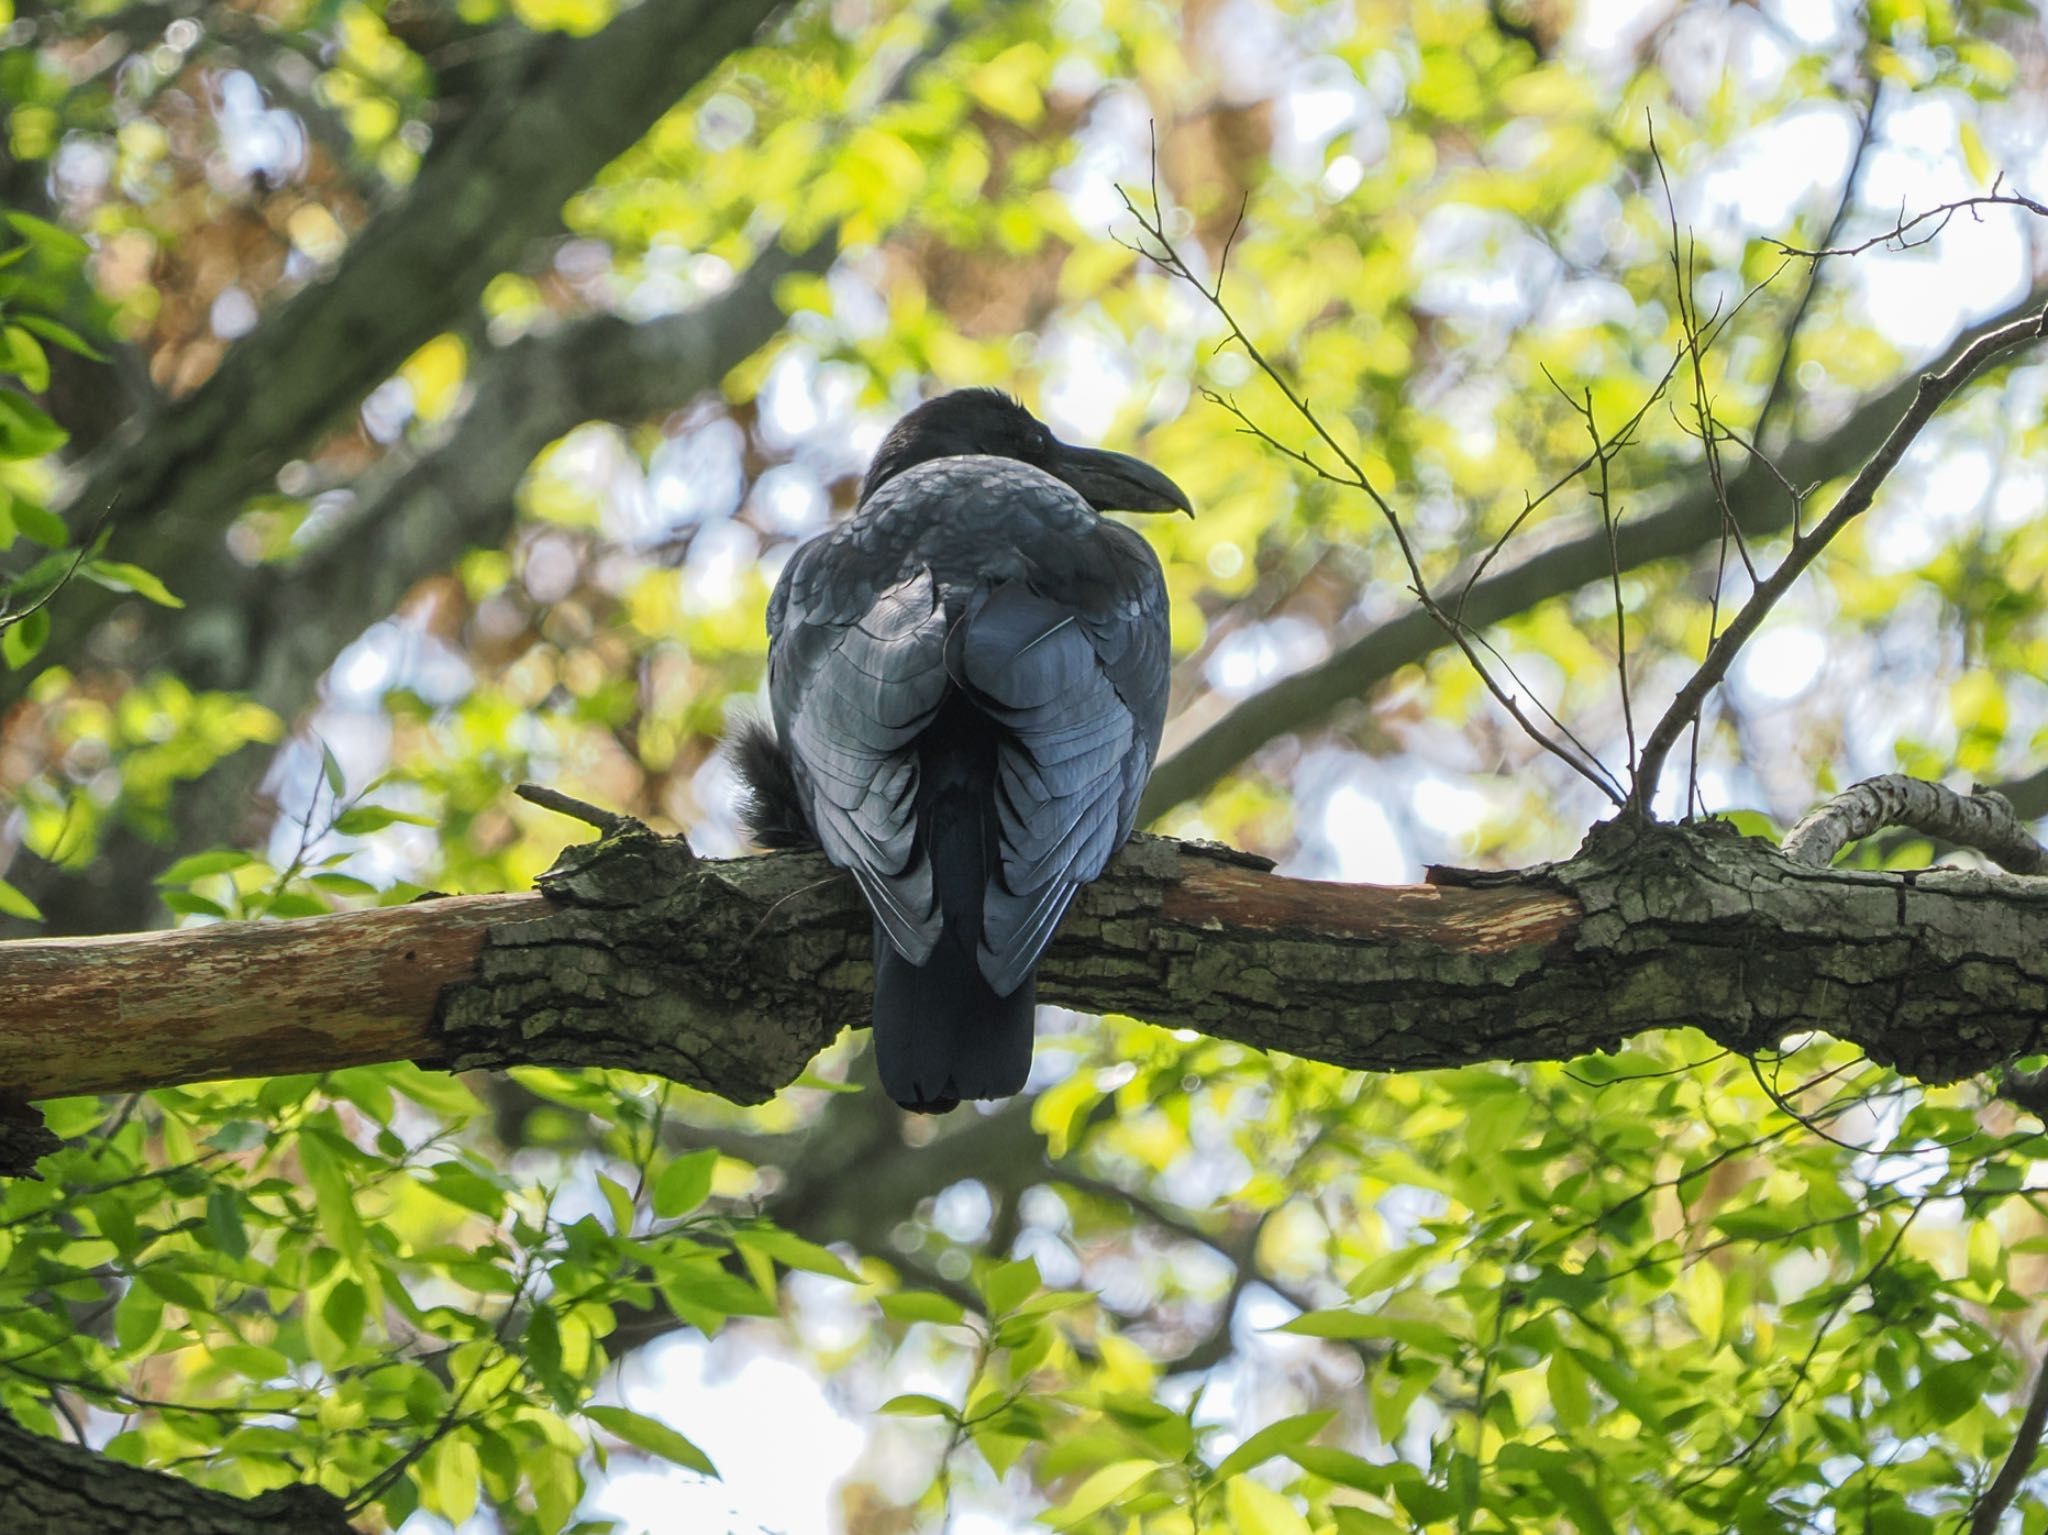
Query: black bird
[{"x": 968, "y": 679}]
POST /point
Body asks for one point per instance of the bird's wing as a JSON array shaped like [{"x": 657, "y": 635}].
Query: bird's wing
[
  {"x": 1076, "y": 670},
  {"x": 858, "y": 673}
]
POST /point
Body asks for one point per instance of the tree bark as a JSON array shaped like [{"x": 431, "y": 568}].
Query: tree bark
[
  {"x": 730, "y": 975},
  {"x": 46, "y": 1484}
]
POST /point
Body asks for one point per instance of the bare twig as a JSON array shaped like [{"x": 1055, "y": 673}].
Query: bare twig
[
  {"x": 1982, "y": 820},
  {"x": 1601, "y": 451},
  {"x": 1898, "y": 236},
  {"x": 609, "y": 822},
  {"x": 1163, "y": 253},
  {"x": 1866, "y": 131},
  {"x": 1608, "y": 519},
  {"x": 1935, "y": 390}
]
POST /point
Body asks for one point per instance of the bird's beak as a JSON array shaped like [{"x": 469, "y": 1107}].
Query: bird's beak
[{"x": 1116, "y": 482}]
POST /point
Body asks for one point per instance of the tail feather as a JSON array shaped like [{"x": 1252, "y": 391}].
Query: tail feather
[
  {"x": 942, "y": 1033},
  {"x": 773, "y": 808}
]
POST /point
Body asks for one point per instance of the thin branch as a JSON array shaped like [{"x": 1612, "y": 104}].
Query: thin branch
[
  {"x": 2019, "y": 1460},
  {"x": 1844, "y": 204},
  {"x": 1899, "y": 236},
  {"x": 1935, "y": 390},
  {"x": 609, "y": 822},
  {"x": 1982, "y": 820},
  {"x": 1676, "y": 529},
  {"x": 1612, "y": 445},
  {"x": 1167, "y": 257}
]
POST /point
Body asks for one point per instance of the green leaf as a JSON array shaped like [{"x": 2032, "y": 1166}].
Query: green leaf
[
  {"x": 186, "y": 904},
  {"x": 62, "y": 335},
  {"x": 915, "y": 1404},
  {"x": 224, "y": 1224},
  {"x": 22, "y": 639},
  {"x": 1007, "y": 1286},
  {"x": 645, "y": 1433},
  {"x": 330, "y": 769},
  {"x": 1952, "y": 1388},
  {"x": 333, "y": 1193},
  {"x": 1344, "y": 1468},
  {"x": 198, "y": 865},
  {"x": 118, "y": 576},
  {"x": 685, "y": 1183},
  {"x": 1274, "y": 1439},
  {"x": 41, "y": 524},
  {"x": 544, "y": 1355},
  {"x": 344, "y": 1311},
  {"x": 21, "y": 355},
  {"x": 363, "y": 819},
  {"x": 1256, "y": 1509},
  {"x": 49, "y": 238},
  {"x": 922, "y": 1306},
  {"x": 25, "y": 432},
  {"x": 14, "y": 904},
  {"x": 1099, "y": 1491},
  {"x": 794, "y": 1252},
  {"x": 1425, "y": 1337},
  {"x": 1579, "y": 1500}
]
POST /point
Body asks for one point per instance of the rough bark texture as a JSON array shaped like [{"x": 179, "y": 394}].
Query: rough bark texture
[
  {"x": 1984, "y": 820},
  {"x": 49, "y": 1486},
  {"x": 730, "y": 975}
]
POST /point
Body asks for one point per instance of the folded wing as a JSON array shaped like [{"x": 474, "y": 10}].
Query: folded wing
[
  {"x": 855, "y": 682},
  {"x": 1077, "y": 677}
]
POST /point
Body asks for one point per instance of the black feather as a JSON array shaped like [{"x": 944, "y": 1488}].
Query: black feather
[
  {"x": 969, "y": 679},
  {"x": 773, "y": 809},
  {"x": 942, "y": 1033}
]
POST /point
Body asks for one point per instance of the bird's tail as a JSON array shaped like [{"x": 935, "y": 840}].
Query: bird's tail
[{"x": 941, "y": 1032}]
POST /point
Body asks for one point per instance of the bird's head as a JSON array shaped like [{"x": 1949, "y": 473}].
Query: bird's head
[{"x": 989, "y": 421}]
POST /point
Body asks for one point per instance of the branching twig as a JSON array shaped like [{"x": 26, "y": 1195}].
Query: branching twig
[
  {"x": 1866, "y": 131},
  {"x": 1897, "y": 235},
  {"x": 1983, "y": 821},
  {"x": 1935, "y": 391},
  {"x": 1167, "y": 257}
]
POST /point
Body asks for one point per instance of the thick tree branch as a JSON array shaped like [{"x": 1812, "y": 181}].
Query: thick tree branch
[
  {"x": 48, "y": 1485},
  {"x": 1688, "y": 522},
  {"x": 730, "y": 975},
  {"x": 563, "y": 110},
  {"x": 420, "y": 520}
]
